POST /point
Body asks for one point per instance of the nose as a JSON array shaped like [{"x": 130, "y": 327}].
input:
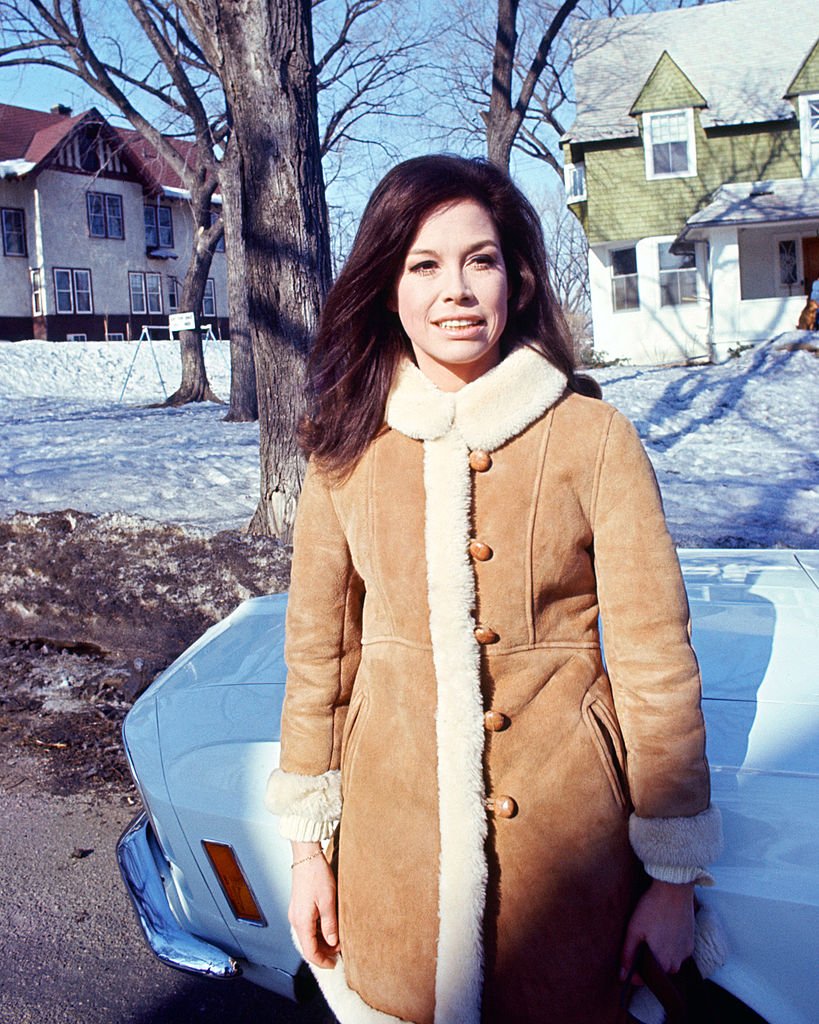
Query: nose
[{"x": 455, "y": 286}]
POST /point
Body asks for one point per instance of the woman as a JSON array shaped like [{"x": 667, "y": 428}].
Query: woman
[{"x": 514, "y": 819}]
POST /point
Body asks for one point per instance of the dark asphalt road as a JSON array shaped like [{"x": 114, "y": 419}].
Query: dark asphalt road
[{"x": 70, "y": 948}]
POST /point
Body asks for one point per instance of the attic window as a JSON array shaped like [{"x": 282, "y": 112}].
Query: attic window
[
  {"x": 670, "y": 148},
  {"x": 90, "y": 147}
]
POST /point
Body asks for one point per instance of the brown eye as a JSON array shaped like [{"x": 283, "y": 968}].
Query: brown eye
[{"x": 424, "y": 266}]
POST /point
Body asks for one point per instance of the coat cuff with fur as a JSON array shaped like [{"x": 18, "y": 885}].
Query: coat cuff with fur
[
  {"x": 309, "y": 806},
  {"x": 678, "y": 849}
]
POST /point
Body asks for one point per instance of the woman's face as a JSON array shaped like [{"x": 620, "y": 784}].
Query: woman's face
[{"x": 452, "y": 294}]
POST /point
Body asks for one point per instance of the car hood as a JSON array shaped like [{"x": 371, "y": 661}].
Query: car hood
[
  {"x": 246, "y": 647},
  {"x": 755, "y": 618}
]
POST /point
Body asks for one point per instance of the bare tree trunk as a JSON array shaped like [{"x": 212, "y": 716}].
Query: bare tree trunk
[
  {"x": 502, "y": 123},
  {"x": 500, "y": 137},
  {"x": 244, "y": 405},
  {"x": 505, "y": 116},
  {"x": 195, "y": 386},
  {"x": 266, "y": 68}
]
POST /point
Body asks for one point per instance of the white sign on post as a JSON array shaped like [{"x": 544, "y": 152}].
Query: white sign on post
[{"x": 181, "y": 321}]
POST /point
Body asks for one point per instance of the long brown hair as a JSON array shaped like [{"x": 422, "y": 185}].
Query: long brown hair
[{"x": 360, "y": 342}]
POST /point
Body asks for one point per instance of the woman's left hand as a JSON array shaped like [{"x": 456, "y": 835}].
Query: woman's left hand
[{"x": 664, "y": 919}]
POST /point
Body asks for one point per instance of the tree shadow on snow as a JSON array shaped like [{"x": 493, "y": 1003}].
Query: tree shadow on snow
[{"x": 725, "y": 392}]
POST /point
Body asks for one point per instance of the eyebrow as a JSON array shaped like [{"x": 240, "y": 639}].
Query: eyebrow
[{"x": 488, "y": 243}]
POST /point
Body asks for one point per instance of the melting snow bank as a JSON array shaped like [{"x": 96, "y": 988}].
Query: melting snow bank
[{"x": 735, "y": 446}]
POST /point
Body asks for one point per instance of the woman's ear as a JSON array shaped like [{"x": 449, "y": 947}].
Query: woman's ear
[{"x": 392, "y": 301}]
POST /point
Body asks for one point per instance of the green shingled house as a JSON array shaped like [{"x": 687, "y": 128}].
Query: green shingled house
[{"x": 693, "y": 165}]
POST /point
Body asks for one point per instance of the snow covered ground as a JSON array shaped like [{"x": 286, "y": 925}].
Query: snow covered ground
[
  {"x": 735, "y": 446},
  {"x": 66, "y": 441}
]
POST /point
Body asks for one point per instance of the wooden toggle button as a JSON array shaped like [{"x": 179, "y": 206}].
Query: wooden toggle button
[
  {"x": 480, "y": 460},
  {"x": 480, "y": 552},
  {"x": 495, "y": 721},
  {"x": 502, "y": 806},
  {"x": 485, "y": 635}
]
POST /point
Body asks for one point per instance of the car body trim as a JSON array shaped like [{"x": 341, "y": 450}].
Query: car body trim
[{"x": 140, "y": 859}]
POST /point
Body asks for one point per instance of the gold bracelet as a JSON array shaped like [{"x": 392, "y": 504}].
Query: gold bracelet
[{"x": 304, "y": 860}]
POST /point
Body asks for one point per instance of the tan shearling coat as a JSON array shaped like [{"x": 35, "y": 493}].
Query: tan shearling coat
[{"x": 497, "y": 788}]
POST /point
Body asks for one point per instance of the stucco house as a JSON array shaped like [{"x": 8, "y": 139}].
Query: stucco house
[
  {"x": 693, "y": 165},
  {"x": 96, "y": 231}
]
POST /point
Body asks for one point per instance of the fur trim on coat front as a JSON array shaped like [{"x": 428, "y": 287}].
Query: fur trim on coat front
[{"x": 486, "y": 417}]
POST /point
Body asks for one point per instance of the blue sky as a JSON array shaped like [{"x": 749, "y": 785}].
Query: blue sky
[{"x": 41, "y": 88}]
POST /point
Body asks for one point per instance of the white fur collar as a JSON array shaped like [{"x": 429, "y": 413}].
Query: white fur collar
[{"x": 488, "y": 412}]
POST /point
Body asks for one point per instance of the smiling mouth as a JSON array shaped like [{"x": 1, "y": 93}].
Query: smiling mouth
[{"x": 458, "y": 322}]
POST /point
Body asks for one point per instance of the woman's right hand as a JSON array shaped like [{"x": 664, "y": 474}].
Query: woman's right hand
[{"x": 312, "y": 911}]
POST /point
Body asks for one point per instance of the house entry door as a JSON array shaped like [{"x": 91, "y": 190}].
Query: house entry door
[{"x": 810, "y": 261}]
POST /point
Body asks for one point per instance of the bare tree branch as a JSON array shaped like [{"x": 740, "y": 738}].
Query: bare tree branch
[
  {"x": 506, "y": 115},
  {"x": 355, "y": 10}
]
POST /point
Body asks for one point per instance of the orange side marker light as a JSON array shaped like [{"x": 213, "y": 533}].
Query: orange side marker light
[{"x": 234, "y": 884}]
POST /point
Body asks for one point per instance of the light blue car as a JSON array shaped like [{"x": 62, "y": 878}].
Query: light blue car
[{"x": 209, "y": 874}]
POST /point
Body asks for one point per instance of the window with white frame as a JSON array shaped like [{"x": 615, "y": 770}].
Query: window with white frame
[
  {"x": 76, "y": 337},
  {"x": 105, "y": 218},
  {"x": 158, "y": 227},
  {"x": 174, "y": 293},
  {"x": 209, "y": 299},
  {"x": 153, "y": 290},
  {"x": 14, "y": 232},
  {"x": 115, "y": 336},
  {"x": 625, "y": 292},
  {"x": 678, "y": 274},
  {"x": 670, "y": 149},
  {"x": 72, "y": 290},
  {"x": 37, "y": 292},
  {"x": 83, "y": 300},
  {"x": 136, "y": 286},
  {"x": 63, "y": 291},
  {"x": 146, "y": 292},
  {"x": 574, "y": 178},
  {"x": 809, "y": 131}
]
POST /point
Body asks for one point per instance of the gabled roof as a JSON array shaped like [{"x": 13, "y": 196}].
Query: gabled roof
[
  {"x": 30, "y": 137},
  {"x": 19, "y": 127},
  {"x": 666, "y": 88},
  {"x": 740, "y": 55},
  {"x": 151, "y": 162},
  {"x": 807, "y": 77},
  {"x": 47, "y": 139}
]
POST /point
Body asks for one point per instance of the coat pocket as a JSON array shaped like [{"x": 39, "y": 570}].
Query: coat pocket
[
  {"x": 604, "y": 730},
  {"x": 352, "y": 732}
]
